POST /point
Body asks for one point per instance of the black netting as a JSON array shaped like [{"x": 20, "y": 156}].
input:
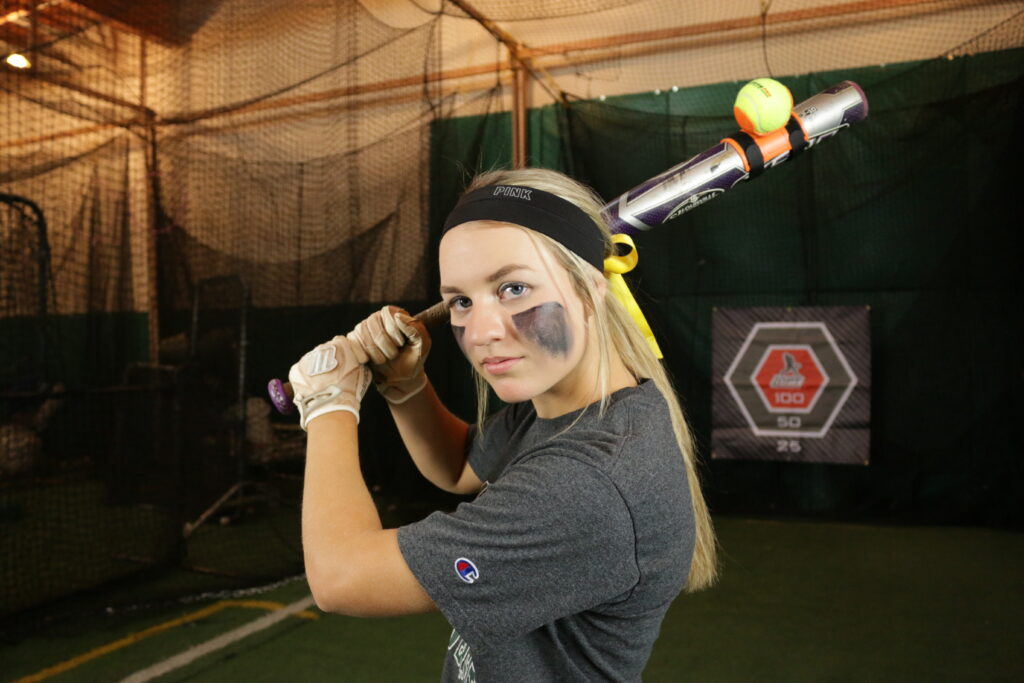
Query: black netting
[{"x": 221, "y": 185}]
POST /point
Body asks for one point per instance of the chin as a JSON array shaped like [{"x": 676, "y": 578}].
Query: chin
[
  {"x": 512, "y": 395},
  {"x": 512, "y": 391}
]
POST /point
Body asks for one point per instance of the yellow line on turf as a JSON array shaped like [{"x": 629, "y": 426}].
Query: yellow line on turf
[
  {"x": 223, "y": 640},
  {"x": 132, "y": 638},
  {"x": 270, "y": 605}
]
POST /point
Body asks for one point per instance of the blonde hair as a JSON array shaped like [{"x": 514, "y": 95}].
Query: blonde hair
[{"x": 616, "y": 332}]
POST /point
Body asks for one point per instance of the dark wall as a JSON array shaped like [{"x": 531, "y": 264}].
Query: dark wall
[{"x": 911, "y": 212}]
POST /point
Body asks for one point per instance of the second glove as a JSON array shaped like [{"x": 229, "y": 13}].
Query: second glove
[{"x": 396, "y": 346}]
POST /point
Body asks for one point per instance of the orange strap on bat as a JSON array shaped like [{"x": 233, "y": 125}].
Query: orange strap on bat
[
  {"x": 758, "y": 150},
  {"x": 614, "y": 267}
]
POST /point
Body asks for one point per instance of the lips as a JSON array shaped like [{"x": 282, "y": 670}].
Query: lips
[{"x": 499, "y": 365}]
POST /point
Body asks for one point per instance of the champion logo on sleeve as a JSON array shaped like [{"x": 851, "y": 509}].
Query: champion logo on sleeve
[{"x": 466, "y": 570}]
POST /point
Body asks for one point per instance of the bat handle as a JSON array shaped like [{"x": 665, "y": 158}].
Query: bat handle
[
  {"x": 433, "y": 316},
  {"x": 281, "y": 393}
]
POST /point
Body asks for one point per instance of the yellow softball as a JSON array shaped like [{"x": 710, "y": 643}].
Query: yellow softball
[{"x": 762, "y": 106}]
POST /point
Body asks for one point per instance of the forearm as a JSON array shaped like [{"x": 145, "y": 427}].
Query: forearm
[
  {"x": 434, "y": 437},
  {"x": 353, "y": 566},
  {"x": 336, "y": 505}
]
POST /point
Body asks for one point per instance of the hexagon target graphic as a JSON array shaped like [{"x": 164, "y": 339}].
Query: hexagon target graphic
[
  {"x": 791, "y": 384},
  {"x": 790, "y": 379}
]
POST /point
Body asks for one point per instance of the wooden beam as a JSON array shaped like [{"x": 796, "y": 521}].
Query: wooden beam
[
  {"x": 726, "y": 25},
  {"x": 348, "y": 91},
  {"x": 73, "y": 132},
  {"x": 89, "y": 92},
  {"x": 308, "y": 113},
  {"x": 650, "y": 42}
]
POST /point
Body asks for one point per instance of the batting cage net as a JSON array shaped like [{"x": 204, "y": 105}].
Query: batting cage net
[{"x": 195, "y": 193}]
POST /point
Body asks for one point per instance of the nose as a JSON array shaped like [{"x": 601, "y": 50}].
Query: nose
[{"x": 486, "y": 325}]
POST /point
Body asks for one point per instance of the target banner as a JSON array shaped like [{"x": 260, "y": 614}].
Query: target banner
[{"x": 791, "y": 384}]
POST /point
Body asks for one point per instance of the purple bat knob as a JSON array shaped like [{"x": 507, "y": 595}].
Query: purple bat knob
[{"x": 279, "y": 397}]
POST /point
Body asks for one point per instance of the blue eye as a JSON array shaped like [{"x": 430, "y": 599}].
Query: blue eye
[
  {"x": 459, "y": 303},
  {"x": 513, "y": 290}
]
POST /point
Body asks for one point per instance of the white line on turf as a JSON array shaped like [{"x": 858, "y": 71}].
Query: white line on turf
[{"x": 221, "y": 641}]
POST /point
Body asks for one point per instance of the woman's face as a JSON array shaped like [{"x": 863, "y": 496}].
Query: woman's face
[{"x": 515, "y": 314}]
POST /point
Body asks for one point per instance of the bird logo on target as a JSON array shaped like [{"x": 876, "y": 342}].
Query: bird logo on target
[{"x": 466, "y": 570}]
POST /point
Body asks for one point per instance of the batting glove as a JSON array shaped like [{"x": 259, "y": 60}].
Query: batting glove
[
  {"x": 327, "y": 379},
  {"x": 396, "y": 346}
]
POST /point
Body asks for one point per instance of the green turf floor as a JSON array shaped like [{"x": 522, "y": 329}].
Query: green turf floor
[{"x": 797, "y": 601}]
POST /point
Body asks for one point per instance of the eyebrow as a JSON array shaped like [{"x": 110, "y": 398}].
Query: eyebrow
[{"x": 496, "y": 275}]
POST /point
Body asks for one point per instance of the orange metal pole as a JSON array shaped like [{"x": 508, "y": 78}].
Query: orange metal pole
[{"x": 519, "y": 118}]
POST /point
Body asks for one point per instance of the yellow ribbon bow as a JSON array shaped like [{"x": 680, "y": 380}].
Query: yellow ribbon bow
[{"x": 614, "y": 267}]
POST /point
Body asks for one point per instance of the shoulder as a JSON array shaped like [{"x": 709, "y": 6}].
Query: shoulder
[
  {"x": 638, "y": 408},
  {"x": 635, "y": 419}
]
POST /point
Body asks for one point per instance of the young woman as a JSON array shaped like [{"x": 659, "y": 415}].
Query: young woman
[{"x": 589, "y": 518}]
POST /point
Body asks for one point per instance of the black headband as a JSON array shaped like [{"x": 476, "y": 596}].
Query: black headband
[{"x": 535, "y": 209}]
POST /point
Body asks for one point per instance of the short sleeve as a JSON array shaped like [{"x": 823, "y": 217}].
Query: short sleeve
[{"x": 551, "y": 538}]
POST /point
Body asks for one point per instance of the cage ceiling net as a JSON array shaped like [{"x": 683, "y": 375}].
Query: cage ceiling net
[{"x": 288, "y": 141}]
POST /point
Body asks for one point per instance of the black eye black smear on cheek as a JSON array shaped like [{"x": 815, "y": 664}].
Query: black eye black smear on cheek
[{"x": 546, "y": 326}]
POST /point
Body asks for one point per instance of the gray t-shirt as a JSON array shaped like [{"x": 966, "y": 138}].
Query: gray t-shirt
[{"x": 564, "y": 565}]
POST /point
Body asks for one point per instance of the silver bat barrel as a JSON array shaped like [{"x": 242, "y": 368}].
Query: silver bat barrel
[{"x": 709, "y": 174}]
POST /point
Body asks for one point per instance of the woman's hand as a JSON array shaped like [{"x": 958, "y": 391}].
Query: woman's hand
[
  {"x": 396, "y": 346},
  {"x": 330, "y": 377}
]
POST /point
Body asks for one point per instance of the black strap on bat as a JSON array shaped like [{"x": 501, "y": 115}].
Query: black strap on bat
[
  {"x": 755, "y": 160},
  {"x": 797, "y": 141}
]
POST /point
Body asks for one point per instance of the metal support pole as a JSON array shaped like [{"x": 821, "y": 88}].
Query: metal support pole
[{"x": 519, "y": 109}]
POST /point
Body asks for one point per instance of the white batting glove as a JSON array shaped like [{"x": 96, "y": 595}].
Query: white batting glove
[
  {"x": 396, "y": 346},
  {"x": 327, "y": 379}
]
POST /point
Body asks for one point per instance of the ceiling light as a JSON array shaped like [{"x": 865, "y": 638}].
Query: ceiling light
[{"x": 17, "y": 60}]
